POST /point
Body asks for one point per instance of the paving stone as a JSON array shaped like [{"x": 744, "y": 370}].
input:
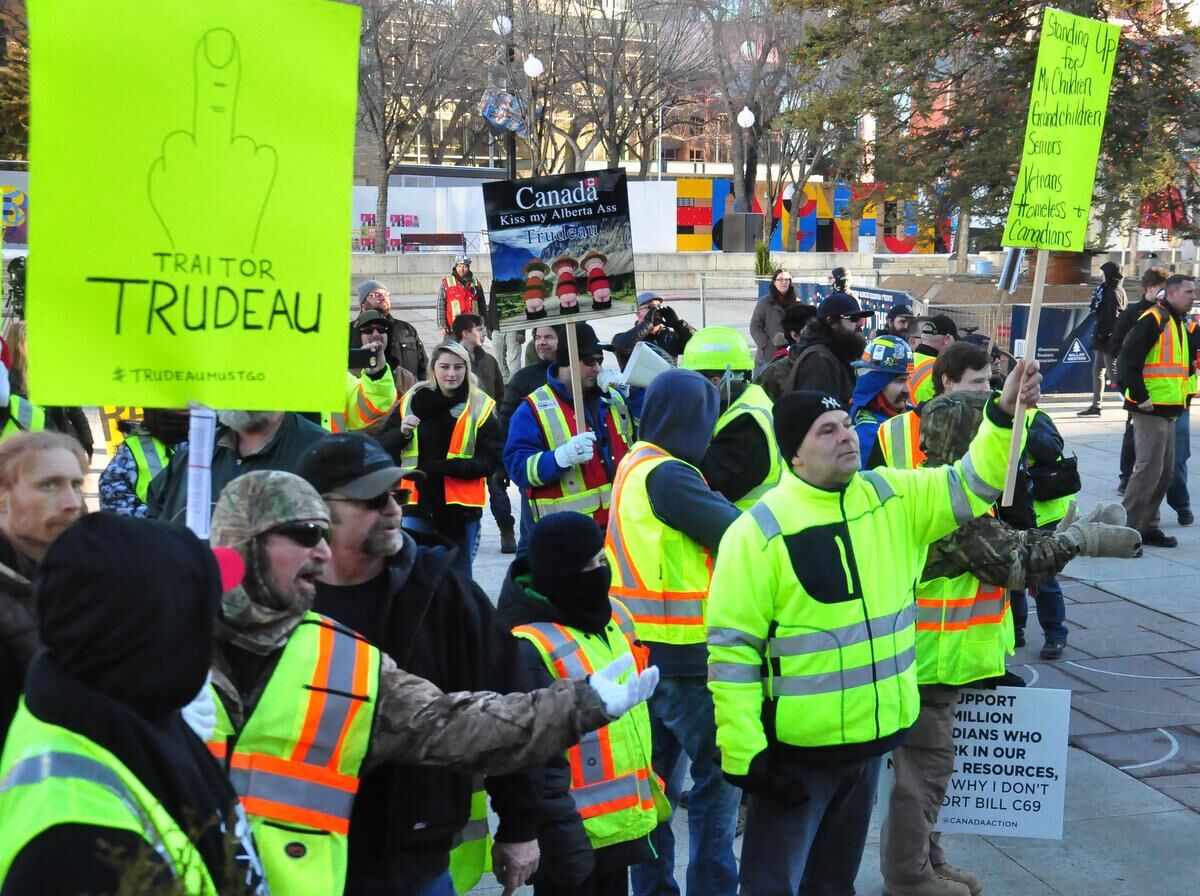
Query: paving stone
[
  {"x": 1052, "y": 675},
  {"x": 1083, "y": 593},
  {"x": 1082, "y": 723},
  {"x": 1096, "y": 790},
  {"x": 1177, "y": 594},
  {"x": 1187, "y": 632},
  {"x": 1187, "y": 660},
  {"x": 1109, "y": 642},
  {"x": 1184, "y": 788},
  {"x": 1128, "y": 673},
  {"x": 1135, "y": 710},
  {"x": 1117, "y": 615},
  {"x": 1148, "y": 753}
]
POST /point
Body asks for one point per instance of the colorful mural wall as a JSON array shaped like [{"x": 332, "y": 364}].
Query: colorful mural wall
[{"x": 821, "y": 221}]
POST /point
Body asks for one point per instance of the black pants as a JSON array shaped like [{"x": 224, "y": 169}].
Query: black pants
[
  {"x": 1127, "y": 456},
  {"x": 601, "y": 882},
  {"x": 499, "y": 502}
]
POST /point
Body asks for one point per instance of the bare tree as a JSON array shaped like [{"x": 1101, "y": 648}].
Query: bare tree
[{"x": 415, "y": 54}]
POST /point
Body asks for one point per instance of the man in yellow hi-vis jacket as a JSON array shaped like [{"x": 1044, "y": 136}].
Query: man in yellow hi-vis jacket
[{"x": 811, "y": 632}]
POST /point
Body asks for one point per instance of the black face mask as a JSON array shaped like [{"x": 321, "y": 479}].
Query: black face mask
[{"x": 588, "y": 607}]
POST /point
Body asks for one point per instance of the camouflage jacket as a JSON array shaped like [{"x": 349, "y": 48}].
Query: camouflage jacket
[
  {"x": 417, "y": 724},
  {"x": 997, "y": 554}
]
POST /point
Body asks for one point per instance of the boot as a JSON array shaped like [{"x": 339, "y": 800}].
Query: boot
[
  {"x": 973, "y": 881},
  {"x": 508, "y": 540},
  {"x": 934, "y": 886}
]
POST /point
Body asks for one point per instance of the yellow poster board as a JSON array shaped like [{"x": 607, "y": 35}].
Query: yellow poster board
[
  {"x": 193, "y": 164},
  {"x": 1052, "y": 199}
]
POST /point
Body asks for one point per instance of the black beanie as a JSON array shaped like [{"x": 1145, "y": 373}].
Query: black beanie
[
  {"x": 585, "y": 336},
  {"x": 560, "y": 546},
  {"x": 795, "y": 414}
]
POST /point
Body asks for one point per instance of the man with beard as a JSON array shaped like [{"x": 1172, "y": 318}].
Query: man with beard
[
  {"x": 435, "y": 623},
  {"x": 41, "y": 494},
  {"x": 306, "y": 706},
  {"x": 245, "y": 441},
  {"x": 828, "y": 346}
]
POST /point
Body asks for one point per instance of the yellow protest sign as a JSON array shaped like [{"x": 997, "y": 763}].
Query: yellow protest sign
[
  {"x": 192, "y": 163},
  {"x": 1053, "y": 195}
]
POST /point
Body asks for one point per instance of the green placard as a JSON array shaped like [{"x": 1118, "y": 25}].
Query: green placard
[
  {"x": 192, "y": 163},
  {"x": 1053, "y": 195}
]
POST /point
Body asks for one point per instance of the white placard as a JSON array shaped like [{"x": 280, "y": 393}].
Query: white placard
[
  {"x": 202, "y": 428},
  {"x": 1010, "y": 763}
]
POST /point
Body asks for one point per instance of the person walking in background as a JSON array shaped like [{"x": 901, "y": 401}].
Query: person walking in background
[
  {"x": 766, "y": 321},
  {"x": 1152, "y": 283},
  {"x": 447, "y": 429},
  {"x": 459, "y": 293},
  {"x": 1107, "y": 304},
  {"x": 776, "y": 375}
]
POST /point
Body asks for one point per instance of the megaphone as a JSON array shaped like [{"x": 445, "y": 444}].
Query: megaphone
[{"x": 645, "y": 363}]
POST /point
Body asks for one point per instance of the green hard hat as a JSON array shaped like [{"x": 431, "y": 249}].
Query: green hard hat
[{"x": 717, "y": 348}]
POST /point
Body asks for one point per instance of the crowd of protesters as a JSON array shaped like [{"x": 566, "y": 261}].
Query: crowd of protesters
[{"x": 758, "y": 568}]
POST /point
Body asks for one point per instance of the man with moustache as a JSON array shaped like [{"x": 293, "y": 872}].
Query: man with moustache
[
  {"x": 245, "y": 441},
  {"x": 828, "y": 346},
  {"x": 435, "y": 623}
]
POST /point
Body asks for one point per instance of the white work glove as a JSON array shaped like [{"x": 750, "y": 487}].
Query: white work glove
[
  {"x": 514, "y": 863},
  {"x": 201, "y": 713},
  {"x": 1146, "y": 406},
  {"x": 578, "y": 450},
  {"x": 621, "y": 697},
  {"x": 1102, "y": 533},
  {"x": 611, "y": 379}
]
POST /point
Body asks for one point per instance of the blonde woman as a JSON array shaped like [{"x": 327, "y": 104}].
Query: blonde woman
[{"x": 448, "y": 429}]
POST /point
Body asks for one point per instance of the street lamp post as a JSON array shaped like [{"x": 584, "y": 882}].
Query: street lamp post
[{"x": 745, "y": 120}]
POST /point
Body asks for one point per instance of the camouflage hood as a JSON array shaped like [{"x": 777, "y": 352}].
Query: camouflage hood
[
  {"x": 255, "y": 615},
  {"x": 948, "y": 423}
]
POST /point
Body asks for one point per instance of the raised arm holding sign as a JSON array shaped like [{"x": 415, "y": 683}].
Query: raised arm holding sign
[{"x": 1052, "y": 199}]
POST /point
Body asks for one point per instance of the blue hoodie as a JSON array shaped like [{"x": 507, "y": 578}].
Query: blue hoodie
[
  {"x": 867, "y": 421},
  {"x": 678, "y": 416}
]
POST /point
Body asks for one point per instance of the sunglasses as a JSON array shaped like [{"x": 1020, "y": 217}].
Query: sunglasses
[
  {"x": 374, "y": 331},
  {"x": 592, "y": 360},
  {"x": 307, "y": 535},
  {"x": 400, "y": 496}
]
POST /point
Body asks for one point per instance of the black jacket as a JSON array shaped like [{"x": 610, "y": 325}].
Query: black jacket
[
  {"x": 523, "y": 382},
  {"x": 1112, "y": 304},
  {"x": 1124, "y": 323},
  {"x": 439, "y": 625},
  {"x": 737, "y": 460},
  {"x": 567, "y": 854},
  {"x": 671, "y": 339},
  {"x": 819, "y": 366},
  {"x": 1132, "y": 361},
  {"x": 18, "y": 628},
  {"x": 404, "y": 348}
]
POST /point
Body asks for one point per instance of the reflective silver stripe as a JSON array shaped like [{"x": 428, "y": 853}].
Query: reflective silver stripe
[
  {"x": 591, "y": 759},
  {"x": 587, "y": 503},
  {"x": 73, "y": 766},
  {"x": 843, "y": 636},
  {"x": 24, "y": 413},
  {"x": 735, "y": 673},
  {"x": 604, "y": 791},
  {"x": 842, "y": 679},
  {"x": 943, "y": 615},
  {"x": 732, "y": 637},
  {"x": 625, "y": 621},
  {"x": 472, "y": 832},
  {"x": 897, "y": 438},
  {"x": 882, "y": 489},
  {"x": 477, "y": 408},
  {"x": 149, "y": 446},
  {"x": 366, "y": 411},
  {"x": 337, "y": 706},
  {"x": 767, "y": 524},
  {"x": 649, "y": 606},
  {"x": 531, "y": 470},
  {"x": 959, "y": 502},
  {"x": 975, "y": 482},
  {"x": 624, "y": 418},
  {"x": 295, "y": 792},
  {"x": 557, "y": 432},
  {"x": 563, "y": 648}
]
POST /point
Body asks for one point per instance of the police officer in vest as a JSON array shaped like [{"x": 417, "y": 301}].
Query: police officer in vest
[
  {"x": 558, "y": 467},
  {"x": 148, "y": 447},
  {"x": 663, "y": 530},
  {"x": 103, "y": 787},
  {"x": 600, "y": 801},
  {"x": 306, "y": 706},
  {"x": 742, "y": 461},
  {"x": 811, "y": 632},
  {"x": 1155, "y": 365},
  {"x": 963, "y": 635},
  {"x": 933, "y": 335}
]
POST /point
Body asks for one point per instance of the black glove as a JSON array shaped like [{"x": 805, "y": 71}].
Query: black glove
[
  {"x": 756, "y": 778},
  {"x": 669, "y": 317}
]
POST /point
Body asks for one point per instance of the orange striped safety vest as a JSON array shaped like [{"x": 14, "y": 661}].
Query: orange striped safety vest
[
  {"x": 464, "y": 492},
  {"x": 295, "y": 762},
  {"x": 964, "y": 630},
  {"x": 900, "y": 441},
  {"x": 1167, "y": 363}
]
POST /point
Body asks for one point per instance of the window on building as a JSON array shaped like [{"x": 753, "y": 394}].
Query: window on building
[
  {"x": 695, "y": 155},
  {"x": 670, "y": 153}
]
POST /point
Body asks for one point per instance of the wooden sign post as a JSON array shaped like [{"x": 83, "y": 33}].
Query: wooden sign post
[
  {"x": 1031, "y": 334},
  {"x": 576, "y": 384}
]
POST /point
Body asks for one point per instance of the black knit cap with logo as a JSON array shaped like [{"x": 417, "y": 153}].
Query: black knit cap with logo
[{"x": 796, "y": 412}]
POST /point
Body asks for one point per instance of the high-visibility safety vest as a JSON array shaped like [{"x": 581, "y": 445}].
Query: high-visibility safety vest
[
  {"x": 613, "y": 784},
  {"x": 1166, "y": 368},
  {"x": 295, "y": 762},
  {"x": 755, "y": 402},
  {"x": 1194, "y": 379},
  {"x": 1051, "y": 511},
  {"x": 964, "y": 630},
  {"x": 584, "y": 488},
  {"x": 23, "y": 416},
  {"x": 473, "y": 414},
  {"x": 900, "y": 441},
  {"x": 471, "y": 848},
  {"x": 367, "y": 401},
  {"x": 52, "y": 776},
  {"x": 920, "y": 381},
  {"x": 812, "y": 607},
  {"x": 459, "y": 300},
  {"x": 660, "y": 574},
  {"x": 151, "y": 457}
]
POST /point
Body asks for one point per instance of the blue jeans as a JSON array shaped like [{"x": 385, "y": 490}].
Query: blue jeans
[
  {"x": 1051, "y": 608},
  {"x": 682, "y": 721},
  {"x": 442, "y": 885},
  {"x": 468, "y": 544},
  {"x": 812, "y": 848},
  {"x": 1177, "y": 492}
]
